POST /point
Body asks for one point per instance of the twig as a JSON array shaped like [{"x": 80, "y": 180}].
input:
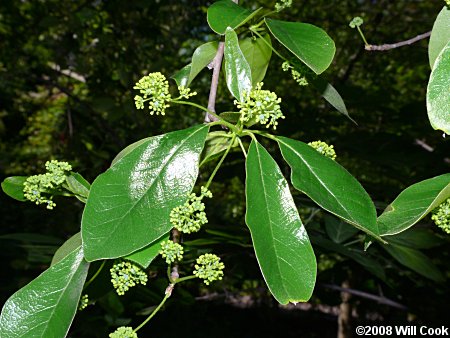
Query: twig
[
  {"x": 216, "y": 65},
  {"x": 397, "y": 44},
  {"x": 379, "y": 299}
]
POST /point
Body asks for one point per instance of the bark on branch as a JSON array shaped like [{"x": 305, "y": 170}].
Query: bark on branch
[{"x": 389, "y": 46}]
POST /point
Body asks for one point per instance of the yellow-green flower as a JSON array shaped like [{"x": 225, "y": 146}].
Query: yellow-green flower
[
  {"x": 123, "y": 332},
  {"x": 171, "y": 251},
  {"x": 125, "y": 275},
  {"x": 441, "y": 216},
  {"x": 324, "y": 149},
  {"x": 209, "y": 268}
]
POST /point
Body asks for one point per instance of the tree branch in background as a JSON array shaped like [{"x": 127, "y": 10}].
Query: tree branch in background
[{"x": 397, "y": 44}]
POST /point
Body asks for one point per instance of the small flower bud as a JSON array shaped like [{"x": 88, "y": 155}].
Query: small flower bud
[
  {"x": 441, "y": 216},
  {"x": 324, "y": 149},
  {"x": 171, "y": 251},
  {"x": 209, "y": 268},
  {"x": 282, "y": 4},
  {"x": 155, "y": 90},
  {"x": 125, "y": 275},
  {"x": 84, "y": 302},
  {"x": 262, "y": 105},
  {"x": 185, "y": 92},
  {"x": 190, "y": 216},
  {"x": 356, "y": 22},
  {"x": 123, "y": 332}
]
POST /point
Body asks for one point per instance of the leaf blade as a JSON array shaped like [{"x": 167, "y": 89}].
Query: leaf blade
[
  {"x": 310, "y": 44},
  {"x": 135, "y": 196},
  {"x": 414, "y": 203},
  {"x": 438, "y": 97},
  {"x": 13, "y": 187},
  {"x": 329, "y": 185},
  {"x": 440, "y": 35},
  {"x": 258, "y": 54},
  {"x": 226, "y": 13},
  {"x": 282, "y": 246},
  {"x": 45, "y": 307},
  {"x": 237, "y": 70}
]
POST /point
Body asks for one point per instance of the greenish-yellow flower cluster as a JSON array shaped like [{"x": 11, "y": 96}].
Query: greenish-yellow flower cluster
[
  {"x": 39, "y": 188},
  {"x": 171, "y": 251},
  {"x": 125, "y": 275},
  {"x": 296, "y": 75},
  {"x": 282, "y": 4},
  {"x": 123, "y": 332},
  {"x": 447, "y": 2},
  {"x": 209, "y": 268},
  {"x": 262, "y": 106},
  {"x": 84, "y": 302},
  {"x": 357, "y": 21},
  {"x": 324, "y": 149},
  {"x": 185, "y": 92},
  {"x": 190, "y": 216},
  {"x": 154, "y": 88},
  {"x": 441, "y": 216}
]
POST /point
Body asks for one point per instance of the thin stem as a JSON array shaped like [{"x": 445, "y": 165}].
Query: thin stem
[
  {"x": 220, "y": 162},
  {"x": 265, "y": 134},
  {"x": 362, "y": 35},
  {"x": 169, "y": 271},
  {"x": 269, "y": 45},
  {"x": 242, "y": 147},
  {"x": 389, "y": 46},
  {"x": 182, "y": 279},
  {"x": 95, "y": 275},
  {"x": 153, "y": 313}
]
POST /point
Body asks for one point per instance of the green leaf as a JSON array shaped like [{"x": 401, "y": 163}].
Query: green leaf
[
  {"x": 331, "y": 95},
  {"x": 182, "y": 76},
  {"x": 201, "y": 58},
  {"x": 145, "y": 256},
  {"x": 216, "y": 143},
  {"x": 257, "y": 52},
  {"x": 309, "y": 43},
  {"x": 45, "y": 307},
  {"x": 414, "y": 203},
  {"x": 360, "y": 257},
  {"x": 440, "y": 35},
  {"x": 329, "y": 185},
  {"x": 226, "y": 13},
  {"x": 338, "y": 230},
  {"x": 68, "y": 247},
  {"x": 438, "y": 93},
  {"x": 415, "y": 260},
  {"x": 13, "y": 187},
  {"x": 78, "y": 185},
  {"x": 237, "y": 69},
  {"x": 129, "y": 149},
  {"x": 281, "y": 243},
  {"x": 129, "y": 205},
  {"x": 416, "y": 238}
]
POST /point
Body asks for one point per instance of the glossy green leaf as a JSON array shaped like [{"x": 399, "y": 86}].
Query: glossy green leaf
[
  {"x": 78, "y": 185},
  {"x": 329, "y": 185},
  {"x": 129, "y": 205},
  {"x": 13, "y": 187},
  {"x": 145, "y": 256},
  {"x": 68, "y": 247},
  {"x": 182, "y": 76},
  {"x": 129, "y": 149},
  {"x": 438, "y": 92},
  {"x": 231, "y": 116},
  {"x": 257, "y": 52},
  {"x": 331, "y": 95},
  {"x": 440, "y": 35},
  {"x": 338, "y": 230},
  {"x": 201, "y": 58},
  {"x": 309, "y": 43},
  {"x": 415, "y": 260},
  {"x": 281, "y": 243},
  {"x": 414, "y": 203},
  {"x": 237, "y": 69},
  {"x": 225, "y": 13},
  {"x": 45, "y": 307},
  {"x": 216, "y": 143}
]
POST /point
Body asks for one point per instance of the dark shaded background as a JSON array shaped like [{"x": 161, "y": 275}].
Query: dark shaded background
[{"x": 109, "y": 45}]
